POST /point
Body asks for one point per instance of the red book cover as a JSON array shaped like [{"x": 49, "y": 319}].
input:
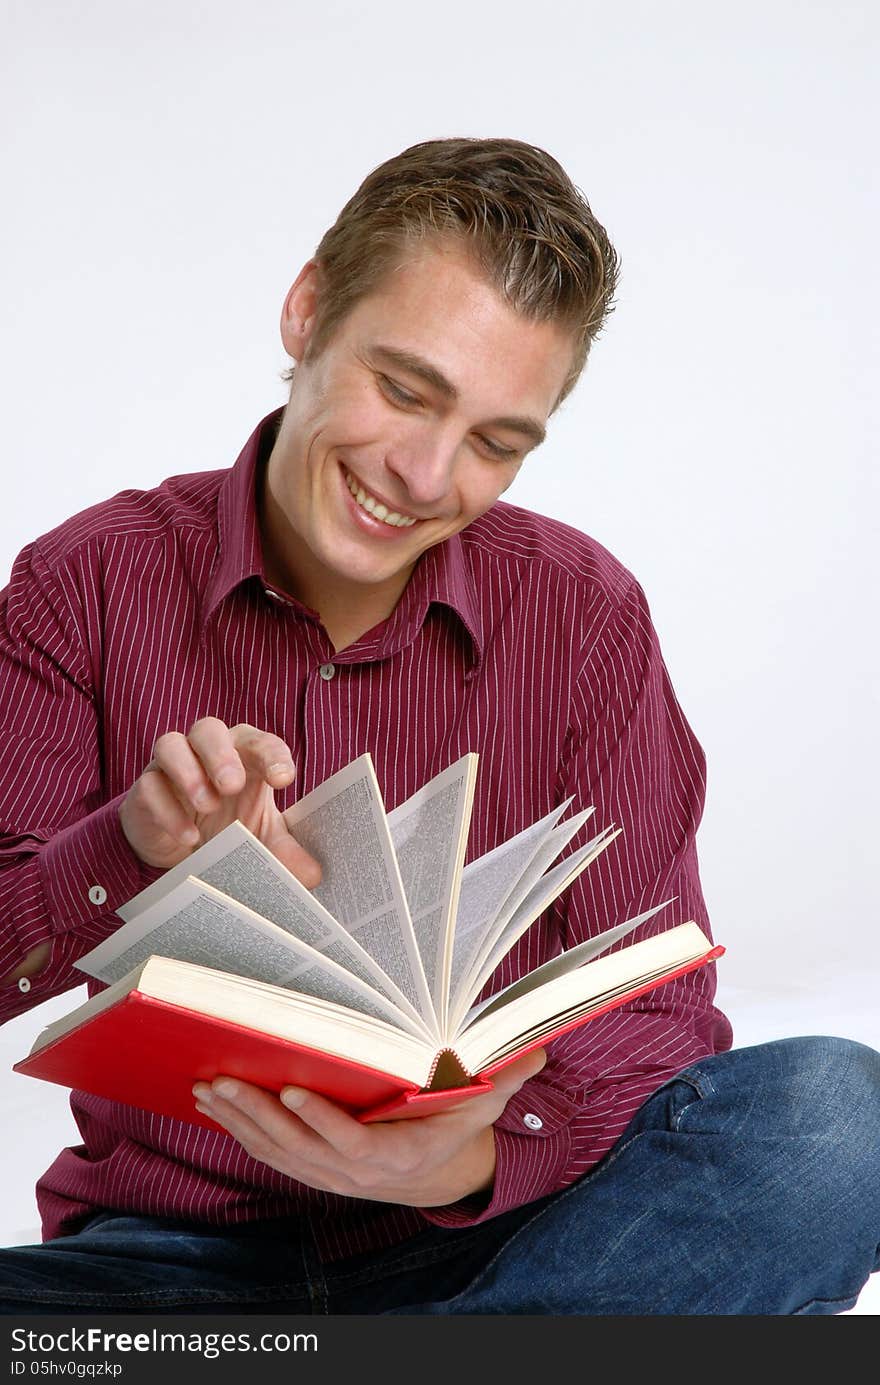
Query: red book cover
[{"x": 148, "y": 1053}]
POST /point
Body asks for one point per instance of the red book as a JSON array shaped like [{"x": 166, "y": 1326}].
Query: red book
[{"x": 148, "y": 1037}]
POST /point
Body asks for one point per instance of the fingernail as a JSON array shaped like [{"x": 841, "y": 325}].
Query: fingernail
[
  {"x": 282, "y": 767},
  {"x": 201, "y": 1092},
  {"x": 226, "y": 1088},
  {"x": 293, "y": 1097}
]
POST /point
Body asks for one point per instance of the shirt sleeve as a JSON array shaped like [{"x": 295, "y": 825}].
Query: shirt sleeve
[
  {"x": 632, "y": 755},
  {"x": 65, "y": 863}
]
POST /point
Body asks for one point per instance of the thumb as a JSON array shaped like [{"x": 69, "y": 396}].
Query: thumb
[
  {"x": 294, "y": 856},
  {"x": 516, "y": 1074}
]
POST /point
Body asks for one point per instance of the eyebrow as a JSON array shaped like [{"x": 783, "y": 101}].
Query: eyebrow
[{"x": 417, "y": 365}]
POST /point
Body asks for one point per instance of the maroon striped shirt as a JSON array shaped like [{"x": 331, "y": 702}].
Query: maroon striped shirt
[{"x": 519, "y": 638}]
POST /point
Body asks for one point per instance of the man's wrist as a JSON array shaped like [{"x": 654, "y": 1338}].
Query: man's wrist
[{"x": 471, "y": 1176}]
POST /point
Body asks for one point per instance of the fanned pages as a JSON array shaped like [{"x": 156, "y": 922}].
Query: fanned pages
[
  {"x": 196, "y": 923},
  {"x": 429, "y": 835},
  {"x": 486, "y": 886},
  {"x": 535, "y": 900},
  {"x": 344, "y": 826},
  {"x": 237, "y": 864}
]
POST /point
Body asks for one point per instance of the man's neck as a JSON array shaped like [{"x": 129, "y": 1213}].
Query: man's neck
[
  {"x": 346, "y": 611},
  {"x": 345, "y": 615},
  {"x": 346, "y": 627}
]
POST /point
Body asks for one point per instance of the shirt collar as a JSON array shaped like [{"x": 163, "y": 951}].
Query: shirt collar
[
  {"x": 239, "y": 546},
  {"x": 442, "y": 574}
]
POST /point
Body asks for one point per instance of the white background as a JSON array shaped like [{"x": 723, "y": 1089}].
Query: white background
[{"x": 168, "y": 168}]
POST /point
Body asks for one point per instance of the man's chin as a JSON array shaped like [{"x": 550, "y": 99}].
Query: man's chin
[{"x": 370, "y": 570}]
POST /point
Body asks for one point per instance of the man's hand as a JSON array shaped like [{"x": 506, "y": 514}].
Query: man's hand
[
  {"x": 428, "y": 1162},
  {"x": 195, "y": 785}
]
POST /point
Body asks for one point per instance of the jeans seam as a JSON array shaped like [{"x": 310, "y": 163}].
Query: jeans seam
[
  {"x": 413, "y": 1260},
  {"x": 697, "y": 1079},
  {"x": 849, "y": 1299}
]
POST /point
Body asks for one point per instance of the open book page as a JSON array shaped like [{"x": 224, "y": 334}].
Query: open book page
[
  {"x": 196, "y": 923},
  {"x": 494, "y": 888},
  {"x": 487, "y": 883},
  {"x": 514, "y": 1026},
  {"x": 236, "y": 862},
  {"x": 343, "y": 824},
  {"x": 539, "y": 897},
  {"x": 429, "y": 833},
  {"x": 567, "y": 961}
]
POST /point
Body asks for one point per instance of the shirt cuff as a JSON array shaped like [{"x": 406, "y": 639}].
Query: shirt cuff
[
  {"x": 89, "y": 870},
  {"x": 532, "y": 1154}
]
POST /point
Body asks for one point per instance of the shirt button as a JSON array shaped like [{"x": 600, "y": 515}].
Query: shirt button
[
  {"x": 97, "y": 894},
  {"x": 277, "y": 596},
  {"x": 533, "y": 1122},
  {"x": 24, "y": 984},
  {"x": 327, "y": 671}
]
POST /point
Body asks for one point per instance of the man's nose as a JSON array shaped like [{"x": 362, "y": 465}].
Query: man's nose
[{"x": 424, "y": 465}]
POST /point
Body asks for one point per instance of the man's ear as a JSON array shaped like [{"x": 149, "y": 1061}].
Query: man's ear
[{"x": 298, "y": 313}]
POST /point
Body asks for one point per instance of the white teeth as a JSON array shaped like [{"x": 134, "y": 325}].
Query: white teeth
[{"x": 375, "y": 507}]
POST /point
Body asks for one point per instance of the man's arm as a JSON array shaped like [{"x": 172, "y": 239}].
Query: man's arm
[
  {"x": 65, "y": 870},
  {"x": 65, "y": 865}
]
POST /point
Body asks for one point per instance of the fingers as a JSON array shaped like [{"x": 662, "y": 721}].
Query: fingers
[
  {"x": 428, "y": 1162},
  {"x": 256, "y": 1120},
  {"x": 485, "y": 1109},
  {"x": 199, "y": 768},
  {"x": 269, "y": 1132},
  {"x": 199, "y": 782},
  {"x": 295, "y": 857},
  {"x": 347, "y": 1135},
  {"x": 163, "y": 805},
  {"x": 263, "y": 754},
  {"x": 212, "y": 762}
]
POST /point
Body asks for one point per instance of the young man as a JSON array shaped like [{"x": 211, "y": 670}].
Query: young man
[{"x": 214, "y": 648}]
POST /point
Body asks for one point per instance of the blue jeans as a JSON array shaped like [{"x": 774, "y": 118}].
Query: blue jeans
[{"x": 748, "y": 1184}]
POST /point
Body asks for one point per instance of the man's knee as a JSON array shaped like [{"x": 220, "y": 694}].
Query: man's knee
[
  {"x": 807, "y": 1107},
  {"x": 828, "y": 1085}
]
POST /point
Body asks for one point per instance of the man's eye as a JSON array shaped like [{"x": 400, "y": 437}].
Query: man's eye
[
  {"x": 398, "y": 395},
  {"x": 502, "y": 453}
]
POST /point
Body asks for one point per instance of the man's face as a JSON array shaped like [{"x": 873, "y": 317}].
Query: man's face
[{"x": 425, "y": 401}]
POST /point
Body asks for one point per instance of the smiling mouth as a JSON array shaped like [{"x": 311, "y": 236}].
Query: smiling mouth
[{"x": 375, "y": 507}]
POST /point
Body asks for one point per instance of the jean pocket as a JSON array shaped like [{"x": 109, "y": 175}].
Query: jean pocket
[{"x": 684, "y": 1091}]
